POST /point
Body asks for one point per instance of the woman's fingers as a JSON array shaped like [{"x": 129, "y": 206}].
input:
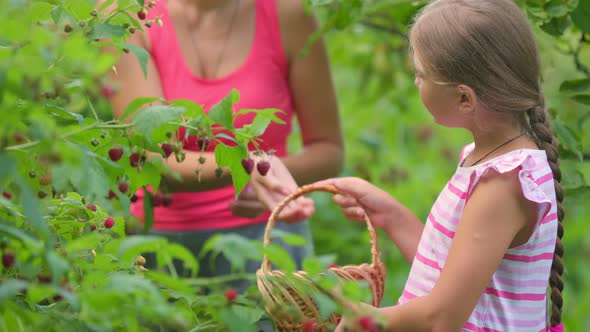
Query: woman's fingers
[
  {"x": 354, "y": 213},
  {"x": 344, "y": 201}
]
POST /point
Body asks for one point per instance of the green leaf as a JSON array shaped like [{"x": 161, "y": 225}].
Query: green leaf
[
  {"x": 221, "y": 112},
  {"x": 56, "y": 14},
  {"x": 41, "y": 11},
  {"x": 94, "y": 181},
  {"x": 154, "y": 118},
  {"x": 582, "y": 99},
  {"x": 136, "y": 245},
  {"x": 279, "y": 257},
  {"x": 57, "y": 265},
  {"x": 193, "y": 109},
  {"x": 177, "y": 251},
  {"x": 234, "y": 322},
  {"x": 170, "y": 282},
  {"x": 30, "y": 204},
  {"x": 556, "y": 26},
  {"x": 231, "y": 156},
  {"x": 289, "y": 238},
  {"x": 8, "y": 166},
  {"x": 312, "y": 266},
  {"x": 259, "y": 125},
  {"x": 141, "y": 54},
  {"x": 581, "y": 16},
  {"x": 575, "y": 86},
  {"x": 20, "y": 235},
  {"x": 135, "y": 105},
  {"x": 128, "y": 284},
  {"x": 269, "y": 113},
  {"x": 556, "y": 8},
  {"x": 148, "y": 211},
  {"x": 10, "y": 288},
  {"x": 247, "y": 314},
  {"x": 568, "y": 139},
  {"x": 107, "y": 30}
]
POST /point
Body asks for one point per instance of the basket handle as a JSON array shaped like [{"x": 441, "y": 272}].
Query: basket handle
[{"x": 266, "y": 265}]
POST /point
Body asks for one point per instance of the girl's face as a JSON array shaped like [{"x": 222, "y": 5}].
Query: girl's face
[{"x": 442, "y": 100}]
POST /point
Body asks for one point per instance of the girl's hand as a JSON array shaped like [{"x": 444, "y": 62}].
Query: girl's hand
[
  {"x": 277, "y": 184},
  {"x": 360, "y": 197}
]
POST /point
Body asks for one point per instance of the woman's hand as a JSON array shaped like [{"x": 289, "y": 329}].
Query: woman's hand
[
  {"x": 360, "y": 198},
  {"x": 277, "y": 184},
  {"x": 247, "y": 204}
]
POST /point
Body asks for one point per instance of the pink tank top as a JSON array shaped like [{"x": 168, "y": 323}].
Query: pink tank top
[{"x": 262, "y": 81}]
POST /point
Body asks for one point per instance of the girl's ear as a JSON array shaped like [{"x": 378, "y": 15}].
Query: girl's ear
[{"x": 467, "y": 99}]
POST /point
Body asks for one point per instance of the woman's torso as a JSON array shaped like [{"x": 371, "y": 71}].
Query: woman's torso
[{"x": 255, "y": 66}]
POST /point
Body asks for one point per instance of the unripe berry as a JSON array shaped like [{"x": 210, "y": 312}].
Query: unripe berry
[
  {"x": 41, "y": 194},
  {"x": 68, "y": 28},
  {"x": 140, "y": 260}
]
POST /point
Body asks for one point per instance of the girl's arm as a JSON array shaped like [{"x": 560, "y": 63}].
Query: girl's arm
[
  {"x": 496, "y": 217},
  {"x": 359, "y": 197},
  {"x": 314, "y": 97}
]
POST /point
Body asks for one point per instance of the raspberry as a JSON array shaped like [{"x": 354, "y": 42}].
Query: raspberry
[
  {"x": 167, "y": 200},
  {"x": 115, "y": 154},
  {"x": 134, "y": 159},
  {"x": 203, "y": 143},
  {"x": 168, "y": 149},
  {"x": 158, "y": 199},
  {"x": 248, "y": 165},
  {"x": 332, "y": 265},
  {"x": 91, "y": 207},
  {"x": 123, "y": 187},
  {"x": 308, "y": 326},
  {"x": 231, "y": 295},
  {"x": 109, "y": 222},
  {"x": 107, "y": 91},
  {"x": 133, "y": 198},
  {"x": 19, "y": 138},
  {"x": 8, "y": 259},
  {"x": 7, "y": 195},
  {"x": 140, "y": 260},
  {"x": 111, "y": 195},
  {"x": 368, "y": 324},
  {"x": 92, "y": 227},
  {"x": 263, "y": 167},
  {"x": 142, "y": 14}
]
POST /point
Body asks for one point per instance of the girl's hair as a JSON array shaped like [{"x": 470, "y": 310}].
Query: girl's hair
[{"x": 489, "y": 46}]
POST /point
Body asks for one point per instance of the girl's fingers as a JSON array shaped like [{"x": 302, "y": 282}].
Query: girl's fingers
[
  {"x": 344, "y": 201},
  {"x": 354, "y": 213}
]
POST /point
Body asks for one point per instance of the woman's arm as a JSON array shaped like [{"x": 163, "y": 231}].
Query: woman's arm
[
  {"x": 483, "y": 235},
  {"x": 314, "y": 97}
]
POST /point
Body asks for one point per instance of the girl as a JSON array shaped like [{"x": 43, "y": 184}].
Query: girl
[{"x": 493, "y": 237}]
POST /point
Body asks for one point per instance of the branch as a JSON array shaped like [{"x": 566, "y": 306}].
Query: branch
[{"x": 385, "y": 28}]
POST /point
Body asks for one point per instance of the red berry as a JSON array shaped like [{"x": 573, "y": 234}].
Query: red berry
[
  {"x": 332, "y": 265},
  {"x": 368, "y": 324},
  {"x": 167, "y": 200},
  {"x": 19, "y": 138},
  {"x": 248, "y": 165},
  {"x": 133, "y": 198},
  {"x": 142, "y": 14},
  {"x": 168, "y": 149},
  {"x": 7, "y": 195},
  {"x": 231, "y": 295},
  {"x": 263, "y": 167},
  {"x": 123, "y": 187},
  {"x": 107, "y": 91},
  {"x": 111, "y": 195},
  {"x": 109, "y": 222},
  {"x": 115, "y": 154},
  {"x": 308, "y": 326},
  {"x": 158, "y": 199},
  {"x": 8, "y": 260},
  {"x": 203, "y": 143},
  {"x": 91, "y": 207},
  {"x": 134, "y": 159},
  {"x": 92, "y": 227}
]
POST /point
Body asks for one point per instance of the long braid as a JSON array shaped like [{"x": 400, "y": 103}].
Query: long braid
[{"x": 541, "y": 129}]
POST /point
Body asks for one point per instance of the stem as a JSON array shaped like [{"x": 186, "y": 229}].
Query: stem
[
  {"x": 117, "y": 12},
  {"x": 96, "y": 125}
]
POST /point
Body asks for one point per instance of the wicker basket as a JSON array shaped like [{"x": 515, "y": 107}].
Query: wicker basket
[{"x": 277, "y": 293}]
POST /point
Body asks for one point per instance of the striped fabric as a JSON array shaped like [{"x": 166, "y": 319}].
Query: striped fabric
[{"x": 515, "y": 299}]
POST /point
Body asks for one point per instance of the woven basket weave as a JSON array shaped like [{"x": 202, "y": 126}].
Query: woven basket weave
[{"x": 275, "y": 289}]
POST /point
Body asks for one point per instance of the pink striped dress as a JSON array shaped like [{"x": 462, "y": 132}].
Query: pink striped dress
[{"x": 516, "y": 297}]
